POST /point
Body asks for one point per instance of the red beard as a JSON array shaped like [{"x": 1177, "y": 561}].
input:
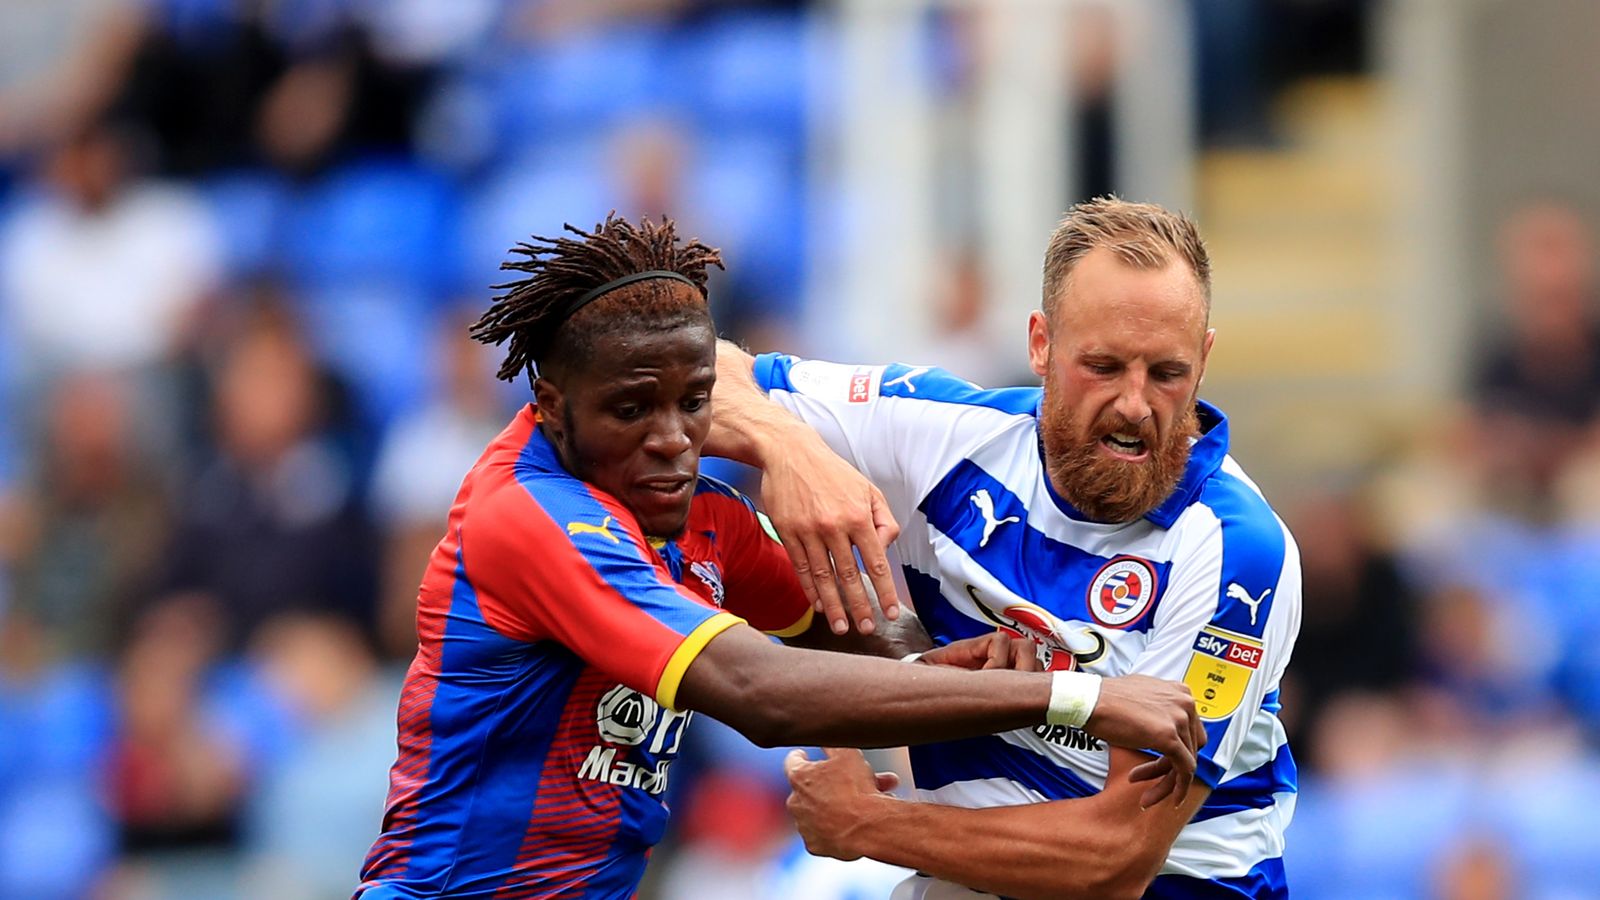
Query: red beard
[{"x": 1105, "y": 489}]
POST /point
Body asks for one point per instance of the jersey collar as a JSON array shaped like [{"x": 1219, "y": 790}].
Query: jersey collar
[{"x": 1205, "y": 457}]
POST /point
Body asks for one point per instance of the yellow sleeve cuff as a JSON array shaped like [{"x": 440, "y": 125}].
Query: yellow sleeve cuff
[
  {"x": 798, "y": 628},
  {"x": 693, "y": 643}
]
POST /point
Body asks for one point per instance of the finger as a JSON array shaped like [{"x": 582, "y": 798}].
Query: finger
[
  {"x": 851, "y": 587},
  {"x": 1159, "y": 791},
  {"x": 802, "y": 572},
  {"x": 793, "y": 761},
  {"x": 1026, "y": 657},
  {"x": 1183, "y": 762},
  {"x": 1150, "y": 770},
  {"x": 885, "y": 530},
  {"x": 887, "y": 781},
  {"x": 820, "y": 568},
  {"x": 999, "y": 655},
  {"x": 1199, "y": 729}
]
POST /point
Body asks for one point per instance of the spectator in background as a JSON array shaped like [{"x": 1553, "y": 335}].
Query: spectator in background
[
  {"x": 85, "y": 540},
  {"x": 419, "y": 470},
  {"x": 653, "y": 167},
  {"x": 311, "y": 814},
  {"x": 1355, "y": 597},
  {"x": 272, "y": 523},
  {"x": 104, "y": 268},
  {"x": 1536, "y": 388}
]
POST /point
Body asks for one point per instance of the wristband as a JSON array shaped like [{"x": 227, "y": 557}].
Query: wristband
[
  {"x": 1072, "y": 698},
  {"x": 911, "y": 657}
]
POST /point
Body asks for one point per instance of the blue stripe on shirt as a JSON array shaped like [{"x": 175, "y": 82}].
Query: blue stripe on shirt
[
  {"x": 1266, "y": 881},
  {"x": 1048, "y": 572},
  {"x": 937, "y": 765},
  {"x": 1254, "y": 789}
]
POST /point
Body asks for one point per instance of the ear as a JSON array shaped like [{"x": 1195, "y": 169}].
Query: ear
[
  {"x": 1205, "y": 354},
  {"x": 1038, "y": 343},
  {"x": 551, "y": 403}
]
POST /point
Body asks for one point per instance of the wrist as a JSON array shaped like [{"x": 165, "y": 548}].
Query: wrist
[
  {"x": 871, "y": 816},
  {"x": 1073, "y": 696}
]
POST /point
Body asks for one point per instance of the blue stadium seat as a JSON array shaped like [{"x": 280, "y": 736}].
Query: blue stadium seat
[
  {"x": 580, "y": 84},
  {"x": 751, "y": 189},
  {"x": 748, "y": 70},
  {"x": 375, "y": 219},
  {"x": 374, "y": 333},
  {"x": 249, "y": 208},
  {"x": 534, "y": 194}
]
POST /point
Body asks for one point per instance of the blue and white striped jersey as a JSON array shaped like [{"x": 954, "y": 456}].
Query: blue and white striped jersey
[{"x": 1204, "y": 589}]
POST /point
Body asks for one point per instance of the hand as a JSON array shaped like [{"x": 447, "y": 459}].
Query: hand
[
  {"x": 999, "y": 650},
  {"x": 830, "y": 798},
  {"x": 824, "y": 510},
  {"x": 1139, "y": 712}
]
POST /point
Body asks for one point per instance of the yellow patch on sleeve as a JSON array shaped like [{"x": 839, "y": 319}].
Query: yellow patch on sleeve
[{"x": 1220, "y": 670}]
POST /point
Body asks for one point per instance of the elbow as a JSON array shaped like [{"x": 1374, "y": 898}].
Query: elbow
[
  {"x": 772, "y": 728},
  {"x": 1127, "y": 876}
]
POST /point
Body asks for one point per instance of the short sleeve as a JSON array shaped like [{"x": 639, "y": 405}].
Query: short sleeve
[
  {"x": 572, "y": 566},
  {"x": 1226, "y": 628},
  {"x": 758, "y": 577},
  {"x": 901, "y": 426}
]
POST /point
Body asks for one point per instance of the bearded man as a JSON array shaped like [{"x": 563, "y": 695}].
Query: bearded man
[{"x": 1100, "y": 516}]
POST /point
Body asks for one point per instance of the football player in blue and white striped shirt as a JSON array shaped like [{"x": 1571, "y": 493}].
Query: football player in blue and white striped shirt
[{"x": 1099, "y": 515}]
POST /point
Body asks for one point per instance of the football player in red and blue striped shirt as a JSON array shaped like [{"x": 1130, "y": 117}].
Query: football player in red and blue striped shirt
[{"x": 591, "y": 589}]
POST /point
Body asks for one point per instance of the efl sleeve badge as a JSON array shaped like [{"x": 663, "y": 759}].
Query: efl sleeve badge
[{"x": 1220, "y": 670}]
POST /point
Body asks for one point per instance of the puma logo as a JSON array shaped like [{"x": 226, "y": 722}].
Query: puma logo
[
  {"x": 603, "y": 529},
  {"x": 1236, "y": 592},
  {"x": 985, "y": 505},
  {"x": 906, "y": 379}
]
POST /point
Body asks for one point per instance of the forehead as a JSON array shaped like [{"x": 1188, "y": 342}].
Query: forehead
[
  {"x": 645, "y": 351},
  {"x": 1108, "y": 304}
]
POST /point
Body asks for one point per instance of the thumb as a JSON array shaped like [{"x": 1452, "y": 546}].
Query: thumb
[
  {"x": 793, "y": 762},
  {"x": 883, "y": 521}
]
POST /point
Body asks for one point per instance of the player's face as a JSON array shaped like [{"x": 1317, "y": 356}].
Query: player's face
[
  {"x": 1121, "y": 367},
  {"x": 633, "y": 421}
]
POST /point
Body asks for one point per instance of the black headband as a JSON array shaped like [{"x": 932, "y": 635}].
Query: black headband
[{"x": 612, "y": 285}]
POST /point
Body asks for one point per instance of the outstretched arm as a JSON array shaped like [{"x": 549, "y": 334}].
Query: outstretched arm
[
  {"x": 822, "y": 508},
  {"x": 1104, "y": 846},
  {"x": 778, "y": 695}
]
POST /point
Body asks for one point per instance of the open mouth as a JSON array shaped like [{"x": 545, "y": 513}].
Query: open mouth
[
  {"x": 1125, "y": 446},
  {"x": 667, "y": 488}
]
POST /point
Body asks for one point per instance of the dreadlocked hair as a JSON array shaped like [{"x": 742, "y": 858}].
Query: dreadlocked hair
[{"x": 561, "y": 269}]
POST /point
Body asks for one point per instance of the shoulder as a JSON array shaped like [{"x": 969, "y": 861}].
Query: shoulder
[
  {"x": 858, "y": 384},
  {"x": 1247, "y": 541}
]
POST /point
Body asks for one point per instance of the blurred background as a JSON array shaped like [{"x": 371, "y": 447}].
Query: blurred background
[{"x": 240, "y": 242}]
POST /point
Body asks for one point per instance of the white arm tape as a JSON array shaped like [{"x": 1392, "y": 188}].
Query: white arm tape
[
  {"x": 911, "y": 657},
  {"x": 1072, "y": 698}
]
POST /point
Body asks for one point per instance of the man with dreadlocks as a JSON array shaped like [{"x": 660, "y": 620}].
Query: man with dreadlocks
[{"x": 591, "y": 590}]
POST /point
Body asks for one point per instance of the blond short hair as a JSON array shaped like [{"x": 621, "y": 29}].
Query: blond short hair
[{"x": 1142, "y": 235}]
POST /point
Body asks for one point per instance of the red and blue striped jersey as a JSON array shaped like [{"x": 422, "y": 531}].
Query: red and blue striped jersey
[{"x": 539, "y": 719}]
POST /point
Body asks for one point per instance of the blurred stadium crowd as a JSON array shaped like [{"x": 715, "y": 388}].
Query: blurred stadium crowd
[{"x": 239, "y": 246}]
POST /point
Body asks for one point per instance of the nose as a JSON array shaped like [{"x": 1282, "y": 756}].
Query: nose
[
  {"x": 669, "y": 438},
  {"x": 1132, "y": 404}
]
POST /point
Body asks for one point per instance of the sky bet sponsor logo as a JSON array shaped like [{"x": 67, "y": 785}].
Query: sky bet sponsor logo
[
  {"x": 861, "y": 386},
  {"x": 1237, "y": 652}
]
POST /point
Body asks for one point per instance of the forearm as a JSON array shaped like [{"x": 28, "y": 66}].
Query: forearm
[
  {"x": 784, "y": 696},
  {"x": 745, "y": 424},
  {"x": 1009, "y": 850}
]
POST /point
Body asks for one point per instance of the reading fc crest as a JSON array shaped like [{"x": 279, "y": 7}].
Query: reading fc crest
[{"x": 1122, "y": 591}]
